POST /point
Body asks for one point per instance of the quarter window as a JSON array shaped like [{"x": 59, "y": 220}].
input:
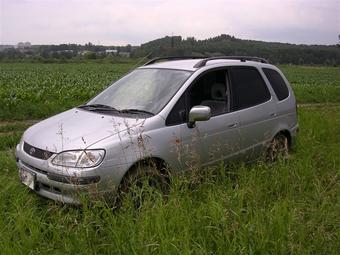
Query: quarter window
[
  {"x": 278, "y": 84},
  {"x": 247, "y": 87}
]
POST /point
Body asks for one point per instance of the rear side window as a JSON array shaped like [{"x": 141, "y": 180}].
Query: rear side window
[
  {"x": 247, "y": 87},
  {"x": 277, "y": 82}
]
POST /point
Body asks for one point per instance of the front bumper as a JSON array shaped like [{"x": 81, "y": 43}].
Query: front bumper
[
  {"x": 66, "y": 185},
  {"x": 56, "y": 190}
]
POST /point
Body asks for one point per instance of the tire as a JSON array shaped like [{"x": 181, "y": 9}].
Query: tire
[
  {"x": 278, "y": 148},
  {"x": 142, "y": 181}
]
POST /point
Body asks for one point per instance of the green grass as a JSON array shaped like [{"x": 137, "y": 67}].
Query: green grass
[
  {"x": 288, "y": 208},
  {"x": 11, "y": 132}
]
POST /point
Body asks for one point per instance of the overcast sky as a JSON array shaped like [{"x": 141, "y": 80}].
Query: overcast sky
[{"x": 138, "y": 21}]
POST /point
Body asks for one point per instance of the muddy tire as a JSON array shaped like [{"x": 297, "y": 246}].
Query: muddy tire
[{"x": 278, "y": 148}]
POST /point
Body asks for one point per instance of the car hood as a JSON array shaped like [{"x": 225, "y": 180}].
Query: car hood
[{"x": 76, "y": 129}]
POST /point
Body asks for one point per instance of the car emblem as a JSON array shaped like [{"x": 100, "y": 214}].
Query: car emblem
[{"x": 31, "y": 151}]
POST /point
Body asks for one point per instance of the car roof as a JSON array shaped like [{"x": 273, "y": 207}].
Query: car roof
[{"x": 189, "y": 64}]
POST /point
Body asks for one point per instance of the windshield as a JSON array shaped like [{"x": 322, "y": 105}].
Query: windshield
[{"x": 143, "y": 89}]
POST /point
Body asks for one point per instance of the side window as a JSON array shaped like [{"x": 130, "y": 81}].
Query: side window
[
  {"x": 210, "y": 90},
  {"x": 278, "y": 84},
  {"x": 178, "y": 113},
  {"x": 247, "y": 88}
]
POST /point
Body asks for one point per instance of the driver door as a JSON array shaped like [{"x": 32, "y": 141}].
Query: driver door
[{"x": 208, "y": 142}]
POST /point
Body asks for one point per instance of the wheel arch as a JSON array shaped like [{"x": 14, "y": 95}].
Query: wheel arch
[
  {"x": 287, "y": 134},
  {"x": 159, "y": 163}
]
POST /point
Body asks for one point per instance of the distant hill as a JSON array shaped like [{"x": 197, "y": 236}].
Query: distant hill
[{"x": 278, "y": 53}]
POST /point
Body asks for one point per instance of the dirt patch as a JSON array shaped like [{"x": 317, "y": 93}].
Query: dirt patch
[
  {"x": 10, "y": 133},
  {"x": 310, "y": 105},
  {"x": 15, "y": 122}
]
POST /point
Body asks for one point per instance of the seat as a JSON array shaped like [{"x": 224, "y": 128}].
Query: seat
[{"x": 217, "y": 103}]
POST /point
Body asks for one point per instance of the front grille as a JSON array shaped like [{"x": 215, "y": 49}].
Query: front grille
[
  {"x": 48, "y": 187},
  {"x": 73, "y": 179},
  {"x": 36, "y": 152}
]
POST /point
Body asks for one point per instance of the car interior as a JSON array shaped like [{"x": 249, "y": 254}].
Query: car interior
[{"x": 211, "y": 90}]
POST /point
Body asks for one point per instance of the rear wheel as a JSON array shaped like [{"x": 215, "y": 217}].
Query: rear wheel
[{"x": 278, "y": 148}]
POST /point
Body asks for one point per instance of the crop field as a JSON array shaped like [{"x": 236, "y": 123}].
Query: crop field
[
  {"x": 314, "y": 84},
  {"x": 31, "y": 91},
  {"x": 291, "y": 207}
]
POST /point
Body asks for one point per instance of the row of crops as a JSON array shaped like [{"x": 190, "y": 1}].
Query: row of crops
[{"x": 30, "y": 91}]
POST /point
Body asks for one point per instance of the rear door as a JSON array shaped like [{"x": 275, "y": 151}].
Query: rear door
[
  {"x": 255, "y": 107},
  {"x": 286, "y": 105}
]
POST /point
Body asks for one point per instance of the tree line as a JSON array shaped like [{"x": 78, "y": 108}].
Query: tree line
[{"x": 278, "y": 53}]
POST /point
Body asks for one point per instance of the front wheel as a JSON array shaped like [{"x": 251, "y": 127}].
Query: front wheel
[{"x": 143, "y": 181}]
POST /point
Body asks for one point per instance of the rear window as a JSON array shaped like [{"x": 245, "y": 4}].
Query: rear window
[
  {"x": 247, "y": 87},
  {"x": 278, "y": 84}
]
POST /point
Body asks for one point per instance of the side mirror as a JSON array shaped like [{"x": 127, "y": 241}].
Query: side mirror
[{"x": 198, "y": 113}]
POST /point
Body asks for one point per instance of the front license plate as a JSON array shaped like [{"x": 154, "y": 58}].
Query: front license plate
[{"x": 27, "y": 178}]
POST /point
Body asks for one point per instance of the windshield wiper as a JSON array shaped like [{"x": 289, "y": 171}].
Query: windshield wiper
[
  {"x": 103, "y": 107},
  {"x": 97, "y": 107},
  {"x": 136, "y": 111}
]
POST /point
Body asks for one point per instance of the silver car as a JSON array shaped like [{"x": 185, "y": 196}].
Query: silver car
[{"x": 171, "y": 112}]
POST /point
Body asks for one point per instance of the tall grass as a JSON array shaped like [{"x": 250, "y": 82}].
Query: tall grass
[{"x": 291, "y": 207}]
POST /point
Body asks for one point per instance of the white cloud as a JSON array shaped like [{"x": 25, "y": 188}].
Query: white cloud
[{"x": 135, "y": 22}]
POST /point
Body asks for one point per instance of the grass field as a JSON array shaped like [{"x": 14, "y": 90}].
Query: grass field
[{"x": 288, "y": 208}]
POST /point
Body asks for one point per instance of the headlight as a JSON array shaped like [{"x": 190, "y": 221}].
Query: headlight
[{"x": 79, "y": 158}]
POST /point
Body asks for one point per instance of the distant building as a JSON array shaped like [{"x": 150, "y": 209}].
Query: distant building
[
  {"x": 84, "y": 52},
  {"x": 114, "y": 52},
  {"x": 65, "y": 51},
  {"x": 124, "y": 54}
]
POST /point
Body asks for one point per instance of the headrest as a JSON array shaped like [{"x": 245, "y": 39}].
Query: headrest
[{"x": 218, "y": 91}]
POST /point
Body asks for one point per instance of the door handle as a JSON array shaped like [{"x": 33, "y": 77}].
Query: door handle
[
  {"x": 273, "y": 114},
  {"x": 233, "y": 125}
]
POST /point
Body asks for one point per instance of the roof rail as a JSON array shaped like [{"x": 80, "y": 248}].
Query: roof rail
[
  {"x": 203, "y": 62},
  {"x": 152, "y": 61}
]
